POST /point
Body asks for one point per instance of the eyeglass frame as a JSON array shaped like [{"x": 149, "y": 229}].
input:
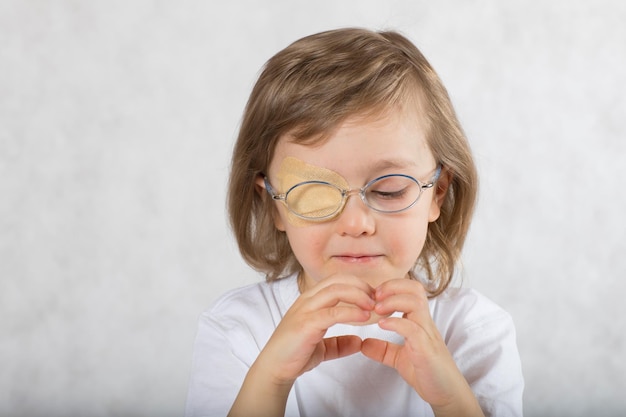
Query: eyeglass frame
[{"x": 345, "y": 194}]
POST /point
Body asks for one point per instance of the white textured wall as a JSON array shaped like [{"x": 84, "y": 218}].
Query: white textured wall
[{"x": 116, "y": 123}]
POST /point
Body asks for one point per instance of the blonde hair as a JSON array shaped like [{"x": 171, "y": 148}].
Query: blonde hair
[{"x": 310, "y": 87}]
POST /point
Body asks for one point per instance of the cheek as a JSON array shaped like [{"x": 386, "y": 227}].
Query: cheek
[
  {"x": 306, "y": 243},
  {"x": 407, "y": 240}
]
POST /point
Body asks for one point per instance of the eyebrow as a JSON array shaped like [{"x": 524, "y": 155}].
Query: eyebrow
[{"x": 393, "y": 163}]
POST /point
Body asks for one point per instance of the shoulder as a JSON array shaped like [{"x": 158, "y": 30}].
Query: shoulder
[
  {"x": 243, "y": 297},
  {"x": 240, "y": 321},
  {"x": 263, "y": 302},
  {"x": 467, "y": 319},
  {"x": 467, "y": 308}
]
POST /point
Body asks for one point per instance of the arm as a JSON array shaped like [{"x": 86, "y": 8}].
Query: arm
[
  {"x": 259, "y": 396},
  {"x": 424, "y": 360},
  {"x": 263, "y": 395},
  {"x": 484, "y": 346},
  {"x": 298, "y": 344}
]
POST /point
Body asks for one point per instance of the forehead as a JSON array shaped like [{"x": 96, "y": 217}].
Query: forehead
[{"x": 363, "y": 145}]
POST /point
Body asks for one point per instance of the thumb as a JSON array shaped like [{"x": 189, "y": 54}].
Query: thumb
[
  {"x": 340, "y": 346},
  {"x": 380, "y": 351}
]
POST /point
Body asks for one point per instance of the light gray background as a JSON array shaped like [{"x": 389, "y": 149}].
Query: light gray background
[{"x": 116, "y": 124}]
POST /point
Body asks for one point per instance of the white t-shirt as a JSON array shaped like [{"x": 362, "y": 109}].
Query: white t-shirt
[{"x": 478, "y": 333}]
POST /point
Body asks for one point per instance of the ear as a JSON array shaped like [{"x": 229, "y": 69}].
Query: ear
[
  {"x": 440, "y": 192},
  {"x": 259, "y": 186}
]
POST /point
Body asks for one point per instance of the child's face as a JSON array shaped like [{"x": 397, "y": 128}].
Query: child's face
[{"x": 373, "y": 246}]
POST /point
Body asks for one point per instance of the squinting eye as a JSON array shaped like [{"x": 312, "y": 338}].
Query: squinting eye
[
  {"x": 389, "y": 195},
  {"x": 390, "y": 187}
]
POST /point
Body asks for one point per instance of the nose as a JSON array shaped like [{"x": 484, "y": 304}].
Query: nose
[{"x": 356, "y": 218}]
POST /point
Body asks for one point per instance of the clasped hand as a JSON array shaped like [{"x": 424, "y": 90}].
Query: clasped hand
[{"x": 423, "y": 361}]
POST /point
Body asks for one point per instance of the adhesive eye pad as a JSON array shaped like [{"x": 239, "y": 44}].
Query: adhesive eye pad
[{"x": 313, "y": 199}]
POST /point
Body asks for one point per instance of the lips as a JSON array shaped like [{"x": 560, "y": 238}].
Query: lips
[{"x": 357, "y": 258}]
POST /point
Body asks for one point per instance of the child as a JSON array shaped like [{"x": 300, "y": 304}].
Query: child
[{"x": 352, "y": 188}]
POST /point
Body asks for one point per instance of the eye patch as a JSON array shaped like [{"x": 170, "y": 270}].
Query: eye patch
[{"x": 293, "y": 171}]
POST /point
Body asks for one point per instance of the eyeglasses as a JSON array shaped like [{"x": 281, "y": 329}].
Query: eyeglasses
[{"x": 321, "y": 200}]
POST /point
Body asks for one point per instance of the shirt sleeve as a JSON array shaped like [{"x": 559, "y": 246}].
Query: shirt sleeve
[
  {"x": 217, "y": 370},
  {"x": 485, "y": 349}
]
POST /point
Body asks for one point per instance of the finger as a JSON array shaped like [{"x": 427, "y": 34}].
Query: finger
[
  {"x": 340, "y": 346},
  {"x": 415, "y": 333},
  {"x": 341, "y": 314},
  {"x": 335, "y": 293},
  {"x": 404, "y": 295},
  {"x": 415, "y": 308},
  {"x": 401, "y": 286},
  {"x": 381, "y": 351},
  {"x": 349, "y": 280}
]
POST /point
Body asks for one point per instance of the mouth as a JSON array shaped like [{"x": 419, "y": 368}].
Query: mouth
[{"x": 357, "y": 258}]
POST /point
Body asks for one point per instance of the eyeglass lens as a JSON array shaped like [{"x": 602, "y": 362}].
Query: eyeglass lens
[{"x": 316, "y": 200}]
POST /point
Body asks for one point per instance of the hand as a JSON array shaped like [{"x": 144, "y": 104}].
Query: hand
[
  {"x": 424, "y": 361},
  {"x": 298, "y": 344}
]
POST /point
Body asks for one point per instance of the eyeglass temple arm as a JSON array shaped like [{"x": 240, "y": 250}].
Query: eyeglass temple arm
[
  {"x": 270, "y": 190},
  {"x": 435, "y": 177}
]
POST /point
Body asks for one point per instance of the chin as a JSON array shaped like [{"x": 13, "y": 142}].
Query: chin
[{"x": 377, "y": 277}]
